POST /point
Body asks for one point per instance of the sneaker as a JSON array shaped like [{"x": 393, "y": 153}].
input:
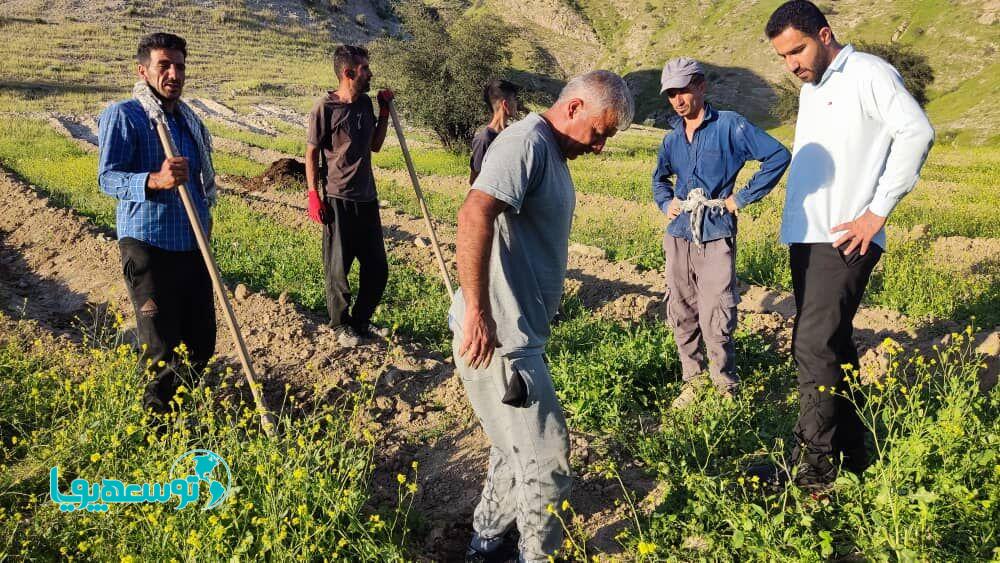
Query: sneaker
[
  {"x": 812, "y": 481},
  {"x": 346, "y": 336},
  {"x": 727, "y": 392},
  {"x": 506, "y": 552},
  {"x": 372, "y": 331},
  {"x": 689, "y": 392}
]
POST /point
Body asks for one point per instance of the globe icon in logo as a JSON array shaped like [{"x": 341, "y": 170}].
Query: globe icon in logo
[{"x": 212, "y": 471}]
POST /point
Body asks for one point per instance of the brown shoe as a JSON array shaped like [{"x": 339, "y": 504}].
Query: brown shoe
[
  {"x": 689, "y": 392},
  {"x": 727, "y": 392}
]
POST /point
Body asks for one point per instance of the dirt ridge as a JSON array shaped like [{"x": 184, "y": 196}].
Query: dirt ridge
[{"x": 55, "y": 266}]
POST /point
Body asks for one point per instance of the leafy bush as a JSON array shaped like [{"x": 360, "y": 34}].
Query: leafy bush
[
  {"x": 786, "y": 102},
  {"x": 439, "y": 71},
  {"x": 916, "y": 71}
]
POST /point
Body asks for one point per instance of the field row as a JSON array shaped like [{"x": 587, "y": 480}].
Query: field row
[
  {"x": 928, "y": 273},
  {"x": 614, "y": 377}
]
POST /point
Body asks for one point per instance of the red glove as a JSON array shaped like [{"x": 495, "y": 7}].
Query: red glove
[
  {"x": 384, "y": 97},
  {"x": 317, "y": 208}
]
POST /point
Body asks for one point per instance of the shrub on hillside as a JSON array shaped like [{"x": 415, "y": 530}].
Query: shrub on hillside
[
  {"x": 438, "y": 71},
  {"x": 786, "y": 101},
  {"x": 916, "y": 71},
  {"x": 913, "y": 67}
]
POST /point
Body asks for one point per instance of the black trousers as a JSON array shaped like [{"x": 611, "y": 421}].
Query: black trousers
[
  {"x": 828, "y": 288},
  {"x": 355, "y": 233},
  {"x": 172, "y": 296}
]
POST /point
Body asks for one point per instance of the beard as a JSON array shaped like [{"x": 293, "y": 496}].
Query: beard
[{"x": 819, "y": 68}]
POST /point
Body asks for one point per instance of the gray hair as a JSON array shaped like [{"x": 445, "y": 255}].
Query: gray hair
[{"x": 606, "y": 90}]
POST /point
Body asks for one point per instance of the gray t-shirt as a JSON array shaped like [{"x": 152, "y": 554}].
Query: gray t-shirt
[{"x": 527, "y": 268}]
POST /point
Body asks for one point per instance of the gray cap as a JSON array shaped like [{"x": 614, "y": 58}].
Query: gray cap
[{"x": 678, "y": 72}]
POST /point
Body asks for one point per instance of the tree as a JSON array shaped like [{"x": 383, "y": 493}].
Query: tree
[
  {"x": 913, "y": 67},
  {"x": 439, "y": 71},
  {"x": 916, "y": 71}
]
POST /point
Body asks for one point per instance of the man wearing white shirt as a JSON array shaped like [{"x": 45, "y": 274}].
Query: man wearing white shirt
[{"x": 860, "y": 141}]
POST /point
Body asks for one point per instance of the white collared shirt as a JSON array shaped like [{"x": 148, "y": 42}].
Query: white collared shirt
[{"x": 860, "y": 141}]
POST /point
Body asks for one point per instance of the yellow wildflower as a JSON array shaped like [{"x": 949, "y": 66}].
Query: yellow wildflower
[{"x": 646, "y": 548}]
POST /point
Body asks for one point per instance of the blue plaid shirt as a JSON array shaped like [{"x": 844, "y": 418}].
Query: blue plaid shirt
[
  {"x": 129, "y": 150},
  {"x": 721, "y": 145}
]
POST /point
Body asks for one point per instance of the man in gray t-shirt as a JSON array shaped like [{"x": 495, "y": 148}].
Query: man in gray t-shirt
[
  {"x": 513, "y": 238},
  {"x": 526, "y": 173}
]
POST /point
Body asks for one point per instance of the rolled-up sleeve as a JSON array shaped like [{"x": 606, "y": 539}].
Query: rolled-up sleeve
[
  {"x": 115, "y": 169},
  {"x": 663, "y": 187},
  {"x": 912, "y": 138},
  {"x": 773, "y": 157}
]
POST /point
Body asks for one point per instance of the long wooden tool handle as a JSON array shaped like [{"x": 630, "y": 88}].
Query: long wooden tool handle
[
  {"x": 420, "y": 198},
  {"x": 266, "y": 418}
]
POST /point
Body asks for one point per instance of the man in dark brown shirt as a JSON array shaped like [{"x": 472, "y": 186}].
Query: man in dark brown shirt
[
  {"x": 501, "y": 99},
  {"x": 342, "y": 133}
]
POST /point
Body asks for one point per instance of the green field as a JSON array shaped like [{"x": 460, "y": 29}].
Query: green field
[{"x": 934, "y": 490}]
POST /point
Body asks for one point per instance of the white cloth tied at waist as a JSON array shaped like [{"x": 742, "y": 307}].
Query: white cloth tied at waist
[{"x": 695, "y": 204}]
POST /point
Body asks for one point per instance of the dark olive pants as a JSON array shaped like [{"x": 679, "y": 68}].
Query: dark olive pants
[
  {"x": 354, "y": 233},
  {"x": 172, "y": 296}
]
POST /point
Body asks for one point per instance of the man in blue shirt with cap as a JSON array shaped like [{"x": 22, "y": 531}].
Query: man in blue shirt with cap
[{"x": 693, "y": 185}]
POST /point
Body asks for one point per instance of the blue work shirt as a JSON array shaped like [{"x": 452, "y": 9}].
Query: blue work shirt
[
  {"x": 129, "y": 150},
  {"x": 719, "y": 148}
]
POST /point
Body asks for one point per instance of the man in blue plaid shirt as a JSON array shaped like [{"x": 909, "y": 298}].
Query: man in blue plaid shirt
[{"x": 167, "y": 279}]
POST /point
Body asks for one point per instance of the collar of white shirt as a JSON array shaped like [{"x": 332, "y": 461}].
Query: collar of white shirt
[{"x": 838, "y": 63}]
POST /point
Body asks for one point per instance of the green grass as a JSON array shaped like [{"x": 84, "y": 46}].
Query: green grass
[
  {"x": 908, "y": 280},
  {"x": 428, "y": 162},
  {"x": 250, "y": 247},
  {"x": 285, "y": 143},
  {"x": 932, "y": 492},
  {"x": 613, "y": 378},
  {"x": 235, "y": 165},
  {"x": 299, "y": 496},
  {"x": 955, "y": 198},
  {"x": 255, "y": 250},
  {"x": 36, "y": 152}
]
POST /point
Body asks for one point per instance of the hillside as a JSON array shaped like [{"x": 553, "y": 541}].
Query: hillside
[
  {"x": 280, "y": 48},
  {"x": 959, "y": 38}
]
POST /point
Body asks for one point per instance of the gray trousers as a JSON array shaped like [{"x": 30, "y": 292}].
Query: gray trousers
[
  {"x": 529, "y": 456},
  {"x": 701, "y": 305}
]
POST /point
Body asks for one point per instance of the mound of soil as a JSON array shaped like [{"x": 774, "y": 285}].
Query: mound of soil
[
  {"x": 284, "y": 174},
  {"x": 285, "y": 171}
]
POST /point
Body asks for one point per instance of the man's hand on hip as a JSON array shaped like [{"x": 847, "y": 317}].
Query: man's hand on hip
[
  {"x": 674, "y": 209},
  {"x": 731, "y": 205},
  {"x": 480, "y": 337},
  {"x": 859, "y": 232},
  {"x": 173, "y": 172}
]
